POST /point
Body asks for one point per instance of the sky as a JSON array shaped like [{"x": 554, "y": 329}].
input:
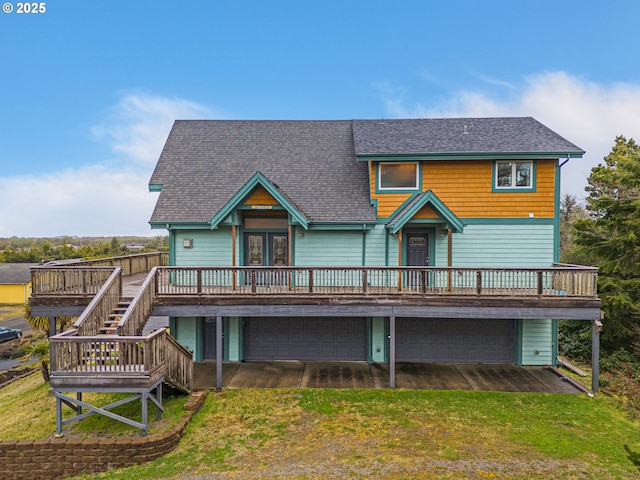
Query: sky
[{"x": 89, "y": 89}]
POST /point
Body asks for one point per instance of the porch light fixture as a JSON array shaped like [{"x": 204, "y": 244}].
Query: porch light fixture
[{"x": 187, "y": 243}]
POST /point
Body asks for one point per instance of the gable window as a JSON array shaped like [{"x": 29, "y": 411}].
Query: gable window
[
  {"x": 398, "y": 176},
  {"x": 511, "y": 175}
]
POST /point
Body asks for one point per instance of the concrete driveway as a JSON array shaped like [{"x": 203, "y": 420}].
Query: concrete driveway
[{"x": 412, "y": 376}]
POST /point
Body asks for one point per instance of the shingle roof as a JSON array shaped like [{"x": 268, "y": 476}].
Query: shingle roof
[
  {"x": 15, "y": 273},
  {"x": 447, "y": 135},
  {"x": 204, "y": 163}
]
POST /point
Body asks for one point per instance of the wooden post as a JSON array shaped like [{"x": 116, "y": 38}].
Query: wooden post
[
  {"x": 233, "y": 245},
  {"x": 449, "y": 257},
  {"x": 595, "y": 355},
  {"x": 392, "y": 352},
  {"x": 290, "y": 256},
  {"x": 400, "y": 260},
  {"x": 219, "y": 352}
]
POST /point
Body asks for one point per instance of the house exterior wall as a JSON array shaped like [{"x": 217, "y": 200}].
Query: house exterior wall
[
  {"x": 537, "y": 342},
  {"x": 210, "y": 248},
  {"x": 471, "y": 194},
  {"x": 15, "y": 293}
]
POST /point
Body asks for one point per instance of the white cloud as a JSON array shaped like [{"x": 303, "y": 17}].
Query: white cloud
[
  {"x": 139, "y": 124},
  {"x": 103, "y": 198},
  {"x": 89, "y": 201},
  {"x": 587, "y": 113}
]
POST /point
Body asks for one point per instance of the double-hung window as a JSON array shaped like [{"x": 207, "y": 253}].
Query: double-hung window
[
  {"x": 513, "y": 175},
  {"x": 398, "y": 176}
]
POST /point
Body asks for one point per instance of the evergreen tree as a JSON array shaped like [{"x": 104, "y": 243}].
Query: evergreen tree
[{"x": 611, "y": 237}]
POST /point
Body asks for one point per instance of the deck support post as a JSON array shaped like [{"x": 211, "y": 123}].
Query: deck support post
[
  {"x": 595, "y": 355},
  {"x": 219, "y": 352},
  {"x": 392, "y": 351},
  {"x": 52, "y": 326}
]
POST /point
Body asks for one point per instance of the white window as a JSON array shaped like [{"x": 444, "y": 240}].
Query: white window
[
  {"x": 398, "y": 176},
  {"x": 514, "y": 175}
]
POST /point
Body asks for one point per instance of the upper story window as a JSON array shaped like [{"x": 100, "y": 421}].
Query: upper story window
[
  {"x": 513, "y": 175},
  {"x": 398, "y": 176}
]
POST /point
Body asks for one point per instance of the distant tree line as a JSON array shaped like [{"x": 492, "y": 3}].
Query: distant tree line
[{"x": 39, "y": 250}]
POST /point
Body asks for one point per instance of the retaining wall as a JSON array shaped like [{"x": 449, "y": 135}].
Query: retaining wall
[{"x": 55, "y": 458}]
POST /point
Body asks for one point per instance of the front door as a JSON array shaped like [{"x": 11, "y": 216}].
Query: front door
[
  {"x": 417, "y": 255},
  {"x": 266, "y": 249},
  {"x": 418, "y": 249}
]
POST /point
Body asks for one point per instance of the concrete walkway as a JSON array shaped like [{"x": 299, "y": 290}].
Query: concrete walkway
[{"x": 412, "y": 376}]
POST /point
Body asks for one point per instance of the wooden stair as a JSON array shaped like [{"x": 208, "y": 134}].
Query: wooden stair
[{"x": 110, "y": 325}]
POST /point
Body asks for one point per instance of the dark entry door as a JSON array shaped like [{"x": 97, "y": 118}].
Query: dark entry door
[
  {"x": 266, "y": 249},
  {"x": 417, "y": 249},
  {"x": 209, "y": 338},
  {"x": 417, "y": 255}
]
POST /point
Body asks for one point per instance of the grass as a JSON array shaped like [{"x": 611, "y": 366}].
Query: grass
[
  {"x": 28, "y": 412},
  {"x": 382, "y": 434}
]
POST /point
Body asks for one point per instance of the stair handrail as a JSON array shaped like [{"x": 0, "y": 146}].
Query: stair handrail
[
  {"x": 92, "y": 318},
  {"x": 179, "y": 364},
  {"x": 137, "y": 313}
]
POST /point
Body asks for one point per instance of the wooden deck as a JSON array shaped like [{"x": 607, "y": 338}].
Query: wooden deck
[{"x": 563, "y": 291}]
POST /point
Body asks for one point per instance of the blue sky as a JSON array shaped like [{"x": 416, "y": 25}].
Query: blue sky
[{"x": 89, "y": 89}]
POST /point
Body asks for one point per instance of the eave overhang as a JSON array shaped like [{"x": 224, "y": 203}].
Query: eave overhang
[
  {"x": 416, "y": 202},
  {"x": 402, "y": 157}
]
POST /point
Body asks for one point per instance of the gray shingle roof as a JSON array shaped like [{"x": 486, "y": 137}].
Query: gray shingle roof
[
  {"x": 447, "y": 135},
  {"x": 15, "y": 273},
  {"x": 205, "y": 162},
  {"x": 314, "y": 163}
]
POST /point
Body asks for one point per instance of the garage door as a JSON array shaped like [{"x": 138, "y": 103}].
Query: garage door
[
  {"x": 305, "y": 339},
  {"x": 454, "y": 340}
]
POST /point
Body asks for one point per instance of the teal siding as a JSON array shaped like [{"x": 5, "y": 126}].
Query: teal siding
[
  {"x": 323, "y": 248},
  {"x": 210, "y": 248},
  {"x": 378, "y": 339},
  {"x": 537, "y": 342},
  {"x": 233, "y": 340},
  {"x": 485, "y": 245},
  {"x": 375, "y": 241},
  {"x": 187, "y": 332}
]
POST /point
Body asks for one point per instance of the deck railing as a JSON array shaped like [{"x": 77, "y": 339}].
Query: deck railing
[
  {"x": 85, "y": 277},
  {"x": 68, "y": 280},
  {"x": 104, "y": 303},
  {"x": 560, "y": 281},
  {"x": 136, "y": 316},
  {"x": 118, "y": 356}
]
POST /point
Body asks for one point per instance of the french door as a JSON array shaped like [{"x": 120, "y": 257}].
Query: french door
[{"x": 266, "y": 249}]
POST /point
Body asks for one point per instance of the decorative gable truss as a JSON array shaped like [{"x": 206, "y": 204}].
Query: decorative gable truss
[
  {"x": 408, "y": 211},
  {"x": 256, "y": 181}
]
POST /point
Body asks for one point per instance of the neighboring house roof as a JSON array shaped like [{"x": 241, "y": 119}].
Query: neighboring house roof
[
  {"x": 206, "y": 164},
  {"x": 15, "y": 273},
  {"x": 460, "y": 137}
]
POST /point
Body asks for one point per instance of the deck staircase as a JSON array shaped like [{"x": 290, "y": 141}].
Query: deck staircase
[
  {"x": 110, "y": 326},
  {"x": 105, "y": 351}
]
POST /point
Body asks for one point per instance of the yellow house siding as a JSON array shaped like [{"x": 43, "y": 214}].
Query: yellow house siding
[
  {"x": 14, "y": 293},
  {"x": 466, "y": 188}
]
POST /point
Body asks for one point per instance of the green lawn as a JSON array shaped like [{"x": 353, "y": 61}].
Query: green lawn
[{"x": 381, "y": 434}]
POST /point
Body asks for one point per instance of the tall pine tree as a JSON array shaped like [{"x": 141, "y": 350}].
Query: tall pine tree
[{"x": 611, "y": 236}]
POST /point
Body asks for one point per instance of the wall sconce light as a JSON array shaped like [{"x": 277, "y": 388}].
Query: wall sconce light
[
  {"x": 300, "y": 234},
  {"x": 187, "y": 243}
]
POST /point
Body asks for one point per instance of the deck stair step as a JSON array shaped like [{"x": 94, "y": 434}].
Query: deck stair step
[{"x": 109, "y": 326}]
